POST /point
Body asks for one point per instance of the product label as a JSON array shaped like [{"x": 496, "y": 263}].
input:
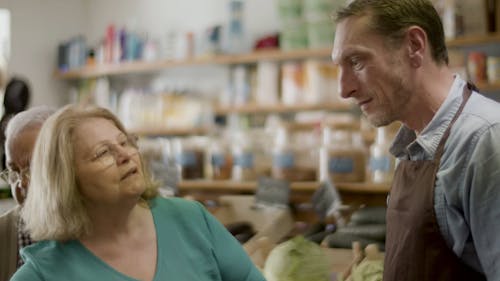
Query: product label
[
  {"x": 272, "y": 192},
  {"x": 382, "y": 163},
  {"x": 244, "y": 160},
  {"x": 341, "y": 165},
  {"x": 283, "y": 160},
  {"x": 218, "y": 160},
  {"x": 186, "y": 159}
]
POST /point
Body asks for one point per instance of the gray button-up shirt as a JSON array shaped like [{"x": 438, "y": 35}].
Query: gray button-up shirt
[{"x": 467, "y": 192}]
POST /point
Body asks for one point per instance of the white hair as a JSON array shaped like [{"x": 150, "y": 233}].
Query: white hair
[{"x": 26, "y": 120}]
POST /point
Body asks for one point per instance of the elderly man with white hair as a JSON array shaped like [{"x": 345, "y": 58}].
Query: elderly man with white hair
[{"x": 21, "y": 134}]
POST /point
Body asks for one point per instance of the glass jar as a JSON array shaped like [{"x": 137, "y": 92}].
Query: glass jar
[
  {"x": 220, "y": 159},
  {"x": 243, "y": 158},
  {"x": 306, "y": 155},
  {"x": 382, "y": 163},
  {"x": 189, "y": 157},
  {"x": 344, "y": 158}
]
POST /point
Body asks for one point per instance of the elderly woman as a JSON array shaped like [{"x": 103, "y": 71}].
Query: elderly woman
[{"x": 92, "y": 201}]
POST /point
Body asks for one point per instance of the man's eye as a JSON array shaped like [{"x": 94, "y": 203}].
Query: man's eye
[{"x": 356, "y": 63}]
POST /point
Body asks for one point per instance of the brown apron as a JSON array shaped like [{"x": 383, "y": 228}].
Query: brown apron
[{"x": 415, "y": 248}]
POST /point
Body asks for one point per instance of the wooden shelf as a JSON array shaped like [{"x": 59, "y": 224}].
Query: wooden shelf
[
  {"x": 489, "y": 87},
  {"x": 264, "y": 55},
  {"x": 142, "y": 67},
  {"x": 250, "y": 186},
  {"x": 168, "y": 131},
  {"x": 279, "y": 108},
  {"x": 491, "y": 38}
]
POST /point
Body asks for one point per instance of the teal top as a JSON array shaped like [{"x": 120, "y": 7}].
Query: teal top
[{"x": 192, "y": 245}]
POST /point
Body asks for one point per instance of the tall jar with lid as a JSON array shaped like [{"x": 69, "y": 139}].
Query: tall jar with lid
[
  {"x": 189, "y": 157},
  {"x": 345, "y": 157},
  {"x": 243, "y": 157},
  {"x": 382, "y": 163},
  {"x": 220, "y": 160}
]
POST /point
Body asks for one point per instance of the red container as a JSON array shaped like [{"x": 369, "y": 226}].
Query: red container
[{"x": 476, "y": 65}]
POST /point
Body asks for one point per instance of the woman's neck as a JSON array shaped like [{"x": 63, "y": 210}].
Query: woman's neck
[{"x": 112, "y": 223}]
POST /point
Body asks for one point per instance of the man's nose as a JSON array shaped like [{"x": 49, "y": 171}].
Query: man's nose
[{"x": 347, "y": 83}]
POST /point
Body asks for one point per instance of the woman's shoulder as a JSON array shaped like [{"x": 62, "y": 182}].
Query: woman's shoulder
[
  {"x": 175, "y": 203},
  {"x": 177, "y": 208},
  {"x": 42, "y": 249}
]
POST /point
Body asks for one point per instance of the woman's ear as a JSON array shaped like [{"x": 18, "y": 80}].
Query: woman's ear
[{"x": 416, "y": 40}]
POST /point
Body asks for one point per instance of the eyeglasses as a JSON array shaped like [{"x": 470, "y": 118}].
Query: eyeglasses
[
  {"x": 15, "y": 177},
  {"x": 106, "y": 154}
]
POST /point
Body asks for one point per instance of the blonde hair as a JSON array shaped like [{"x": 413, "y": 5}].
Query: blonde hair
[{"x": 54, "y": 207}]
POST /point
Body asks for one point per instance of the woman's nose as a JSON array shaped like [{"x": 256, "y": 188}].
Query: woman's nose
[{"x": 122, "y": 155}]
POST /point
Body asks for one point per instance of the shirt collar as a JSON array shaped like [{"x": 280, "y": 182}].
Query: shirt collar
[{"x": 408, "y": 144}]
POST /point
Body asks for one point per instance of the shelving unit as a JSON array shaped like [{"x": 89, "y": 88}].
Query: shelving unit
[
  {"x": 270, "y": 55},
  {"x": 357, "y": 193},
  {"x": 279, "y": 108},
  {"x": 489, "y": 87},
  {"x": 142, "y": 67},
  {"x": 168, "y": 131},
  {"x": 251, "y": 186},
  {"x": 475, "y": 40}
]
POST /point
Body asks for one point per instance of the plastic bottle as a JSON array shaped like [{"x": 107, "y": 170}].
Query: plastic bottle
[
  {"x": 243, "y": 158},
  {"x": 283, "y": 156}
]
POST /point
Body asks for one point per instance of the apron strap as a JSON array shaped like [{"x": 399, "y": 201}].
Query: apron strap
[{"x": 467, "y": 92}]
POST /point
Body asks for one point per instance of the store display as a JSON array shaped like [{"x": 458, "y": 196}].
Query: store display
[{"x": 307, "y": 78}]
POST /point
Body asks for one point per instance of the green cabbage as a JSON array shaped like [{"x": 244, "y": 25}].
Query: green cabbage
[{"x": 297, "y": 259}]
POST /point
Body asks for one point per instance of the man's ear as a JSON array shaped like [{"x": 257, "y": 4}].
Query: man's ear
[{"x": 416, "y": 43}]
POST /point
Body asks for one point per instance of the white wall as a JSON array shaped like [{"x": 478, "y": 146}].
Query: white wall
[
  {"x": 39, "y": 25},
  {"x": 158, "y": 16},
  {"x": 36, "y": 28}
]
